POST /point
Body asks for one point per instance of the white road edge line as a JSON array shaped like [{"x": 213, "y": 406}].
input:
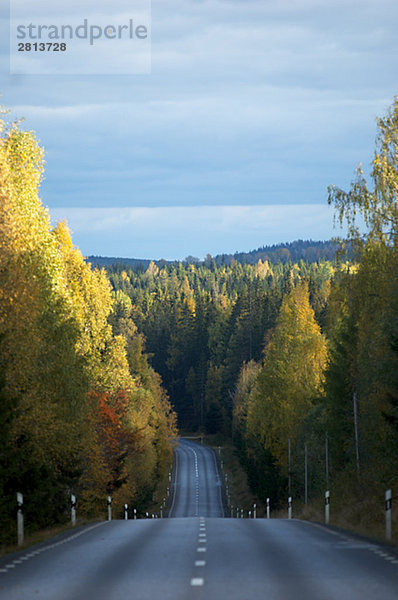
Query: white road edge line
[
  {"x": 25, "y": 557},
  {"x": 175, "y": 482},
  {"x": 221, "y": 480}
]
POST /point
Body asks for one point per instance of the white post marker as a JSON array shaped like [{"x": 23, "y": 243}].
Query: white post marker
[
  {"x": 126, "y": 515},
  {"x": 268, "y": 511},
  {"x": 109, "y": 508},
  {"x": 73, "y": 508},
  {"x": 327, "y": 457},
  {"x": 289, "y": 510},
  {"x": 355, "y": 406},
  {"x": 237, "y": 512},
  {"x": 135, "y": 513},
  {"x": 241, "y": 513},
  {"x": 327, "y": 507},
  {"x": 306, "y": 475},
  {"x": 388, "y": 515},
  {"x": 255, "y": 511},
  {"x": 20, "y": 518}
]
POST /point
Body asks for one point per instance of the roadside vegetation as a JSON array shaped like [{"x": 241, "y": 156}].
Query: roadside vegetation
[{"x": 81, "y": 409}]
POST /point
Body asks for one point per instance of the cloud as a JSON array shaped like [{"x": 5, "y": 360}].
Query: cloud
[{"x": 175, "y": 232}]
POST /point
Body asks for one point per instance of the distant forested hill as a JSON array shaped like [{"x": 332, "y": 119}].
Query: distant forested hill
[
  {"x": 107, "y": 261},
  {"x": 307, "y": 250}
]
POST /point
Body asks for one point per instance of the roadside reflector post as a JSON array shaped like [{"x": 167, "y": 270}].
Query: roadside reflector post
[
  {"x": 109, "y": 508},
  {"x": 161, "y": 512},
  {"x": 237, "y": 512},
  {"x": 255, "y": 511},
  {"x": 241, "y": 513},
  {"x": 268, "y": 510},
  {"x": 135, "y": 513},
  {"x": 327, "y": 507},
  {"x": 126, "y": 515},
  {"x": 289, "y": 509},
  {"x": 306, "y": 474},
  {"x": 388, "y": 497},
  {"x": 20, "y": 530},
  {"x": 289, "y": 451},
  {"x": 73, "y": 508}
]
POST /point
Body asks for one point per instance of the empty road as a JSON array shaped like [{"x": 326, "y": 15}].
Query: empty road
[
  {"x": 200, "y": 555},
  {"x": 196, "y": 488}
]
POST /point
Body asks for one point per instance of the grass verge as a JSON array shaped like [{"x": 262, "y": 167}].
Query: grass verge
[{"x": 42, "y": 535}]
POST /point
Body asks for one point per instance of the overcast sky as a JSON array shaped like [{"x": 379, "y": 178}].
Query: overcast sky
[{"x": 252, "y": 108}]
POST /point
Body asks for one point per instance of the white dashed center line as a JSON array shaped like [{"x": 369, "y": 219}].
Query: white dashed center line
[
  {"x": 202, "y": 539},
  {"x": 200, "y": 563}
]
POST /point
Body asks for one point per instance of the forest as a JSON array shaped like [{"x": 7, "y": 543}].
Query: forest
[{"x": 282, "y": 353}]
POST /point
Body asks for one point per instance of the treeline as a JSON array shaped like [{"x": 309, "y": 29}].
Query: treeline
[
  {"x": 300, "y": 355},
  {"x": 81, "y": 409},
  {"x": 306, "y": 250}
]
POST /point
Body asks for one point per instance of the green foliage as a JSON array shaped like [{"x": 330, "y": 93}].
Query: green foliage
[
  {"x": 291, "y": 377},
  {"x": 199, "y": 319}
]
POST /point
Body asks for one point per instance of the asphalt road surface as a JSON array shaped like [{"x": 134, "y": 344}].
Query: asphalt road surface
[
  {"x": 196, "y": 488},
  {"x": 200, "y": 555}
]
